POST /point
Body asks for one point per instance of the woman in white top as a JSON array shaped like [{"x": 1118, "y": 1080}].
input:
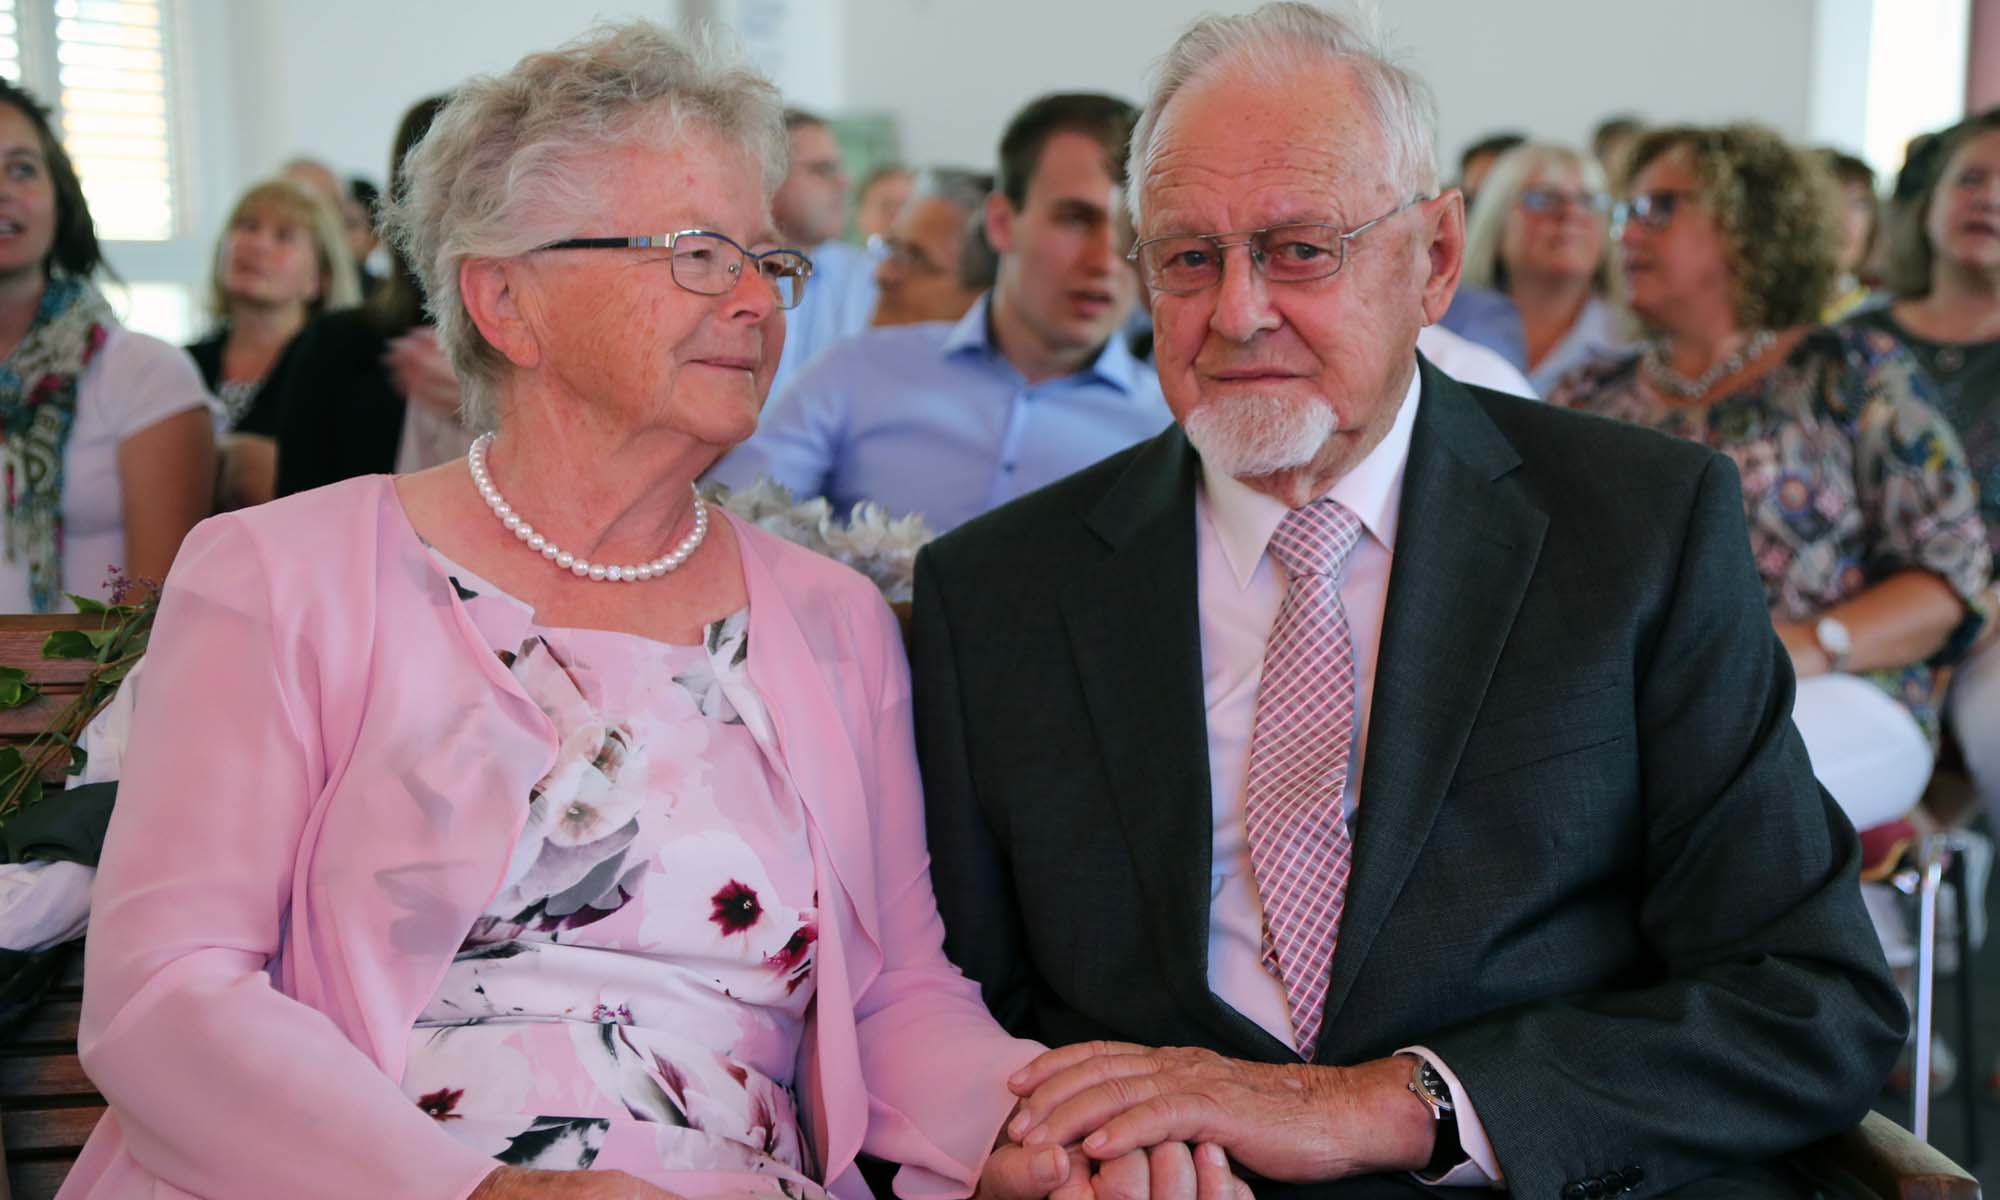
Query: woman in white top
[
  {"x": 1540, "y": 235},
  {"x": 107, "y": 441}
]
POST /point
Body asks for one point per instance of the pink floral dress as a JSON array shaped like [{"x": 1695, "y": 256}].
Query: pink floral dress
[{"x": 633, "y": 997}]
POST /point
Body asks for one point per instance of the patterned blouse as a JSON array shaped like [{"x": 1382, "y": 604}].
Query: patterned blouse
[
  {"x": 1849, "y": 474},
  {"x": 634, "y": 995}
]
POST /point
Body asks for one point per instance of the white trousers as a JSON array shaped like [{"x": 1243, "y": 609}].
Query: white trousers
[
  {"x": 1867, "y": 750},
  {"x": 1975, "y": 720}
]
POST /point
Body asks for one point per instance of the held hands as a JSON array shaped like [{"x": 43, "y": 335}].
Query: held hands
[
  {"x": 1169, "y": 1171},
  {"x": 1293, "y": 1122},
  {"x": 420, "y": 371}
]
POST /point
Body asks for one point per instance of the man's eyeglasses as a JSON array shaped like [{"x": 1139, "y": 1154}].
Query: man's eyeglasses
[
  {"x": 710, "y": 263},
  {"x": 1555, "y": 200},
  {"x": 1652, "y": 210},
  {"x": 1181, "y": 264}
]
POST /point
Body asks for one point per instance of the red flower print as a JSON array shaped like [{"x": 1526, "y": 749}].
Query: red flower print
[
  {"x": 788, "y": 956},
  {"x": 736, "y": 908},
  {"x": 438, "y": 1105}
]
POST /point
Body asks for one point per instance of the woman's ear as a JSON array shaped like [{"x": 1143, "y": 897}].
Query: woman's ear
[{"x": 490, "y": 290}]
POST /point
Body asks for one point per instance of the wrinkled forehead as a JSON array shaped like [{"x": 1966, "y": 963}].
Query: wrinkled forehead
[{"x": 1304, "y": 144}]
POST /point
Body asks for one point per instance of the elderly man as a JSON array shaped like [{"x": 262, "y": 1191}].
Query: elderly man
[
  {"x": 949, "y": 419},
  {"x": 1372, "y": 774}
]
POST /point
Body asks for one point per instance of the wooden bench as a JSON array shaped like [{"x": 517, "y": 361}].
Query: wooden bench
[{"x": 47, "y": 1105}]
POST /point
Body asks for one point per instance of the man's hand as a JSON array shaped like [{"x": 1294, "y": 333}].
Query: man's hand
[{"x": 1295, "y": 1122}]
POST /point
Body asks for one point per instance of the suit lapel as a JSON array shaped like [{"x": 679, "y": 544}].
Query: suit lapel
[
  {"x": 1466, "y": 545},
  {"x": 1135, "y": 633}
]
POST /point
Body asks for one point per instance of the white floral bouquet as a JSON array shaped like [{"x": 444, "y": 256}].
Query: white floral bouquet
[{"x": 882, "y": 547}]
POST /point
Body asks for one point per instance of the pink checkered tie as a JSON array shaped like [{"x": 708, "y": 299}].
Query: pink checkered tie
[{"x": 1299, "y": 842}]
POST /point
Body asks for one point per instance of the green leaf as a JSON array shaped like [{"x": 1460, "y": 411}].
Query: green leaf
[
  {"x": 86, "y": 605},
  {"x": 15, "y": 690},
  {"x": 77, "y": 643}
]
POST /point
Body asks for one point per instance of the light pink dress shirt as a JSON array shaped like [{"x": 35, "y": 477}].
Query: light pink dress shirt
[{"x": 1240, "y": 591}]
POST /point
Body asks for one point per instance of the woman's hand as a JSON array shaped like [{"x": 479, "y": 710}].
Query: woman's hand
[
  {"x": 1168, "y": 1171},
  {"x": 523, "y": 1183},
  {"x": 421, "y": 372},
  {"x": 1808, "y": 659}
]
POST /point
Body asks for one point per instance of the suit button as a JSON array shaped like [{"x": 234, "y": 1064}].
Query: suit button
[
  {"x": 1575, "y": 1191},
  {"x": 1593, "y": 1189},
  {"x": 1631, "y": 1177}
]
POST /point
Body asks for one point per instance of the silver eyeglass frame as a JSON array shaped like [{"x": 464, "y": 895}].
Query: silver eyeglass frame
[{"x": 1247, "y": 238}]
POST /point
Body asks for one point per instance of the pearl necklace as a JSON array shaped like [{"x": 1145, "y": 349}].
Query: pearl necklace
[
  {"x": 475, "y": 458},
  {"x": 1681, "y": 387}
]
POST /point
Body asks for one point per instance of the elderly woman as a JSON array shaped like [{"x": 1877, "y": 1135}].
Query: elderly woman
[
  {"x": 523, "y": 815},
  {"x": 1539, "y": 235},
  {"x": 1861, "y": 509}
]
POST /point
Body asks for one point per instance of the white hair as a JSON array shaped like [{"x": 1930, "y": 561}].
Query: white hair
[
  {"x": 1247, "y": 437},
  {"x": 1275, "y": 42},
  {"x": 507, "y": 164},
  {"x": 1511, "y": 174}
]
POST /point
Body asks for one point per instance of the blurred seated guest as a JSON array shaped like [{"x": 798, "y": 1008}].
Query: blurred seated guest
[
  {"x": 108, "y": 435},
  {"x": 1611, "y": 143},
  {"x": 1476, "y": 160},
  {"x": 368, "y": 391},
  {"x": 357, "y": 217},
  {"x": 1860, "y": 223},
  {"x": 534, "y": 863},
  {"x": 1540, "y": 236},
  {"x": 1488, "y": 319},
  {"x": 931, "y": 268},
  {"x": 1947, "y": 312},
  {"x": 951, "y": 419},
  {"x": 1862, "y": 512},
  {"x": 282, "y": 258},
  {"x": 315, "y": 176},
  {"x": 811, "y": 211},
  {"x": 1469, "y": 362},
  {"x": 883, "y": 193}
]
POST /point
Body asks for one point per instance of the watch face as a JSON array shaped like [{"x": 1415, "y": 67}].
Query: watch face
[{"x": 1832, "y": 636}]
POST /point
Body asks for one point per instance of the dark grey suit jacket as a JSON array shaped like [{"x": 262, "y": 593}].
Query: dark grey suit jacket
[{"x": 1592, "y": 868}]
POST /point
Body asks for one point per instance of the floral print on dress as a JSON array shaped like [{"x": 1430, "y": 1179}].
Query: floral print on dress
[
  {"x": 633, "y": 997},
  {"x": 1849, "y": 475}
]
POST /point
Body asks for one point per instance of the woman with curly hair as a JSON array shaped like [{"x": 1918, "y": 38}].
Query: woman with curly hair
[{"x": 1862, "y": 513}]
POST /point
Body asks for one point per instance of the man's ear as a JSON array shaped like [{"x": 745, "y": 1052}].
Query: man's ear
[
  {"x": 1444, "y": 225},
  {"x": 490, "y": 289},
  {"x": 1000, "y": 223}
]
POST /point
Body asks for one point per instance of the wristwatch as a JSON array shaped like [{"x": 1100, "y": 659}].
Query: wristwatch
[
  {"x": 1431, "y": 1088},
  {"x": 1835, "y": 641}
]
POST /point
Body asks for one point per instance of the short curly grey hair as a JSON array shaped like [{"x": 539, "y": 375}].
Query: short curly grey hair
[
  {"x": 506, "y": 165},
  {"x": 1277, "y": 39}
]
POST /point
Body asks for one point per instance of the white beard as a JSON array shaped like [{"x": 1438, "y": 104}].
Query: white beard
[{"x": 1252, "y": 436}]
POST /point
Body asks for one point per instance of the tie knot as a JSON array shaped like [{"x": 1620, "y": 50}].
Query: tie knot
[{"x": 1316, "y": 539}]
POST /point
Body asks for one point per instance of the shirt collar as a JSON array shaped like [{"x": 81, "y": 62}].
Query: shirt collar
[
  {"x": 973, "y": 335},
  {"x": 1245, "y": 519}
]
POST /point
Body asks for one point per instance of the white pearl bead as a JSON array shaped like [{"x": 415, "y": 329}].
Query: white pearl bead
[
  {"x": 536, "y": 541},
  {"x": 511, "y": 521},
  {"x": 565, "y": 560},
  {"x": 614, "y": 574},
  {"x": 523, "y": 532},
  {"x": 549, "y": 551},
  {"x": 645, "y": 571},
  {"x": 580, "y": 568},
  {"x": 504, "y": 511}
]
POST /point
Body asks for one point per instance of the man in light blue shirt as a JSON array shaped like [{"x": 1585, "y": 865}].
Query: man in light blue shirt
[
  {"x": 951, "y": 419},
  {"x": 810, "y": 210}
]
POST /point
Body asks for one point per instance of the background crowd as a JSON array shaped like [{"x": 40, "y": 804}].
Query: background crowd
[{"x": 972, "y": 332}]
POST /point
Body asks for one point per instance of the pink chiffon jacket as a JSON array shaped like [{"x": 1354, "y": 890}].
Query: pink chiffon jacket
[{"x": 327, "y": 771}]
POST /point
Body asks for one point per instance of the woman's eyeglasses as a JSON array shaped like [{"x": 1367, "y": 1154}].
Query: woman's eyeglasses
[
  {"x": 1652, "y": 210},
  {"x": 710, "y": 263}
]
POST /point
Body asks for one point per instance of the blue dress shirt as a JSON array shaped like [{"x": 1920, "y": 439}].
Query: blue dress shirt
[
  {"x": 932, "y": 419},
  {"x": 1488, "y": 317}
]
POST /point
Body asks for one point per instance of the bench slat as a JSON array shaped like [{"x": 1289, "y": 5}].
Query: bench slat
[
  {"x": 35, "y": 1180},
  {"x": 54, "y": 1020},
  {"x": 52, "y": 1129},
  {"x": 36, "y": 1076}
]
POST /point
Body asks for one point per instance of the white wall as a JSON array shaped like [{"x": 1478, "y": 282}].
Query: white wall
[{"x": 952, "y": 71}]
